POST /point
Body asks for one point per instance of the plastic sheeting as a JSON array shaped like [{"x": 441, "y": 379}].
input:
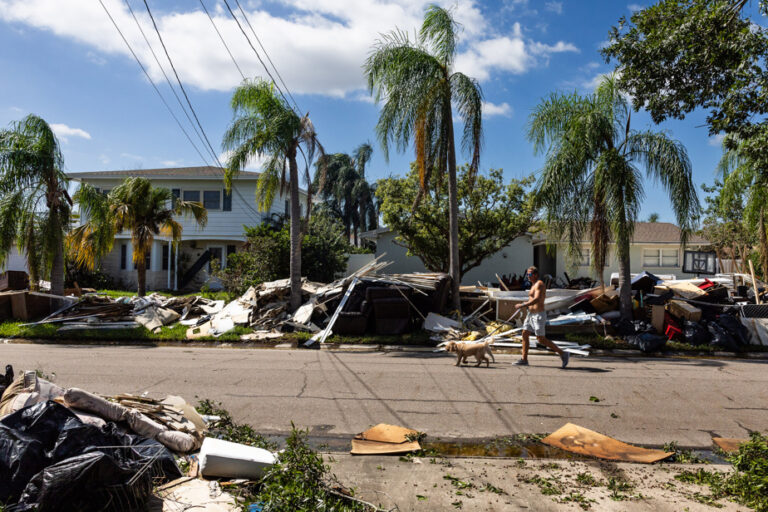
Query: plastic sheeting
[{"x": 51, "y": 461}]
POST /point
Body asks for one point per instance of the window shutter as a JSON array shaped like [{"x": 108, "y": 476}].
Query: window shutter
[
  {"x": 227, "y": 206},
  {"x": 176, "y": 193},
  {"x": 165, "y": 257},
  {"x": 123, "y": 256}
]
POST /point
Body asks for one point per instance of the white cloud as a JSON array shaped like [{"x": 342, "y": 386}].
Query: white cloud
[
  {"x": 556, "y": 7},
  {"x": 512, "y": 53},
  {"x": 254, "y": 164},
  {"x": 319, "y": 46},
  {"x": 171, "y": 163},
  {"x": 64, "y": 132},
  {"x": 717, "y": 140},
  {"x": 97, "y": 59},
  {"x": 635, "y": 7},
  {"x": 496, "y": 109}
]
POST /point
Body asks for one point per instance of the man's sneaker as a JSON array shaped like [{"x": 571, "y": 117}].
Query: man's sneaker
[
  {"x": 520, "y": 362},
  {"x": 564, "y": 358}
]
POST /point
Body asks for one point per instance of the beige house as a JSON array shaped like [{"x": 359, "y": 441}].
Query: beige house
[
  {"x": 221, "y": 237},
  {"x": 655, "y": 248}
]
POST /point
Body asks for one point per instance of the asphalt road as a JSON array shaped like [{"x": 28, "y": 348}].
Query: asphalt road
[{"x": 339, "y": 393}]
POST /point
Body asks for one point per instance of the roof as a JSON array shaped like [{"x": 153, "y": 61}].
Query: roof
[
  {"x": 651, "y": 233},
  {"x": 204, "y": 172},
  {"x": 662, "y": 232}
]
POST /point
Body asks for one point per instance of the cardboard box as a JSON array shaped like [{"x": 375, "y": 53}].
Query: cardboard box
[
  {"x": 684, "y": 310},
  {"x": 604, "y": 303},
  {"x": 657, "y": 318}
]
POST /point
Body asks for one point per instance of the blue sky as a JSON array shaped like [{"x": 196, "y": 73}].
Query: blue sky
[{"x": 64, "y": 61}]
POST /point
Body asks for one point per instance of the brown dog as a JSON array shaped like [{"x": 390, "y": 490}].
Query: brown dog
[{"x": 481, "y": 351}]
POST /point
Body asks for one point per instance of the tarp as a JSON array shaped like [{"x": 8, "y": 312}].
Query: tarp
[{"x": 51, "y": 461}]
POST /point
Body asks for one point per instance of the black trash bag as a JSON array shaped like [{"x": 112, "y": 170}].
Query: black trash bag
[
  {"x": 6, "y": 378},
  {"x": 647, "y": 342},
  {"x": 721, "y": 338},
  {"x": 696, "y": 334},
  {"x": 52, "y": 461},
  {"x": 626, "y": 327},
  {"x": 735, "y": 328}
]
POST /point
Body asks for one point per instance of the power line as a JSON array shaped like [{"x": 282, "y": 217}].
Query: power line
[
  {"x": 162, "y": 70},
  {"x": 267, "y": 54},
  {"x": 181, "y": 86},
  {"x": 162, "y": 98},
  {"x": 222, "y": 40},
  {"x": 257, "y": 53}
]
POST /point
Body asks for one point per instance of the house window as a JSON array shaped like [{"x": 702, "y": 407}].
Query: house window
[
  {"x": 192, "y": 195},
  {"x": 212, "y": 199},
  {"x": 584, "y": 259},
  {"x": 287, "y": 208},
  {"x": 175, "y": 193},
  {"x": 123, "y": 256},
  {"x": 660, "y": 257},
  {"x": 147, "y": 261},
  {"x": 227, "y": 202}
]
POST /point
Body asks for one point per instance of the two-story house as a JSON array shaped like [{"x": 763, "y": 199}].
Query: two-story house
[{"x": 222, "y": 236}]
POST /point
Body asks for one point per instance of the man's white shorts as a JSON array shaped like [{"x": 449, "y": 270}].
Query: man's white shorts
[{"x": 536, "y": 323}]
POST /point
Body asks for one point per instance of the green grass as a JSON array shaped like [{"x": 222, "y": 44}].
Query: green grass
[
  {"x": 50, "y": 332},
  {"x": 610, "y": 343},
  {"x": 208, "y": 295}
]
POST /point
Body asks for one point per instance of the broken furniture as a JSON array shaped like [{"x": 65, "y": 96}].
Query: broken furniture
[{"x": 14, "y": 280}]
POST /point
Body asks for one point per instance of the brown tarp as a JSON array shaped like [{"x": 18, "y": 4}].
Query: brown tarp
[{"x": 574, "y": 438}]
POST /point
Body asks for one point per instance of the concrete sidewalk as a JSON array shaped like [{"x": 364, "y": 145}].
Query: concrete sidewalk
[{"x": 643, "y": 401}]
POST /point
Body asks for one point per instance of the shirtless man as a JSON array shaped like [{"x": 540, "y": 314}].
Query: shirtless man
[{"x": 537, "y": 318}]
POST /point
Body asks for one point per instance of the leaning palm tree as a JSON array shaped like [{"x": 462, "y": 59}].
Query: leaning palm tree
[
  {"x": 419, "y": 88},
  {"x": 744, "y": 175},
  {"x": 134, "y": 205},
  {"x": 35, "y": 207},
  {"x": 266, "y": 126},
  {"x": 591, "y": 184}
]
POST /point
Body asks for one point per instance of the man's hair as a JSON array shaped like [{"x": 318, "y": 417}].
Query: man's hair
[{"x": 533, "y": 270}]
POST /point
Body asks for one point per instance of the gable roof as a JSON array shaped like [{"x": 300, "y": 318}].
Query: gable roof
[
  {"x": 202, "y": 172},
  {"x": 662, "y": 232}
]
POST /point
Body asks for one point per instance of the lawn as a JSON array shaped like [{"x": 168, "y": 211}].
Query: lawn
[{"x": 208, "y": 295}]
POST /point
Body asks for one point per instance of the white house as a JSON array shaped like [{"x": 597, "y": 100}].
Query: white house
[
  {"x": 222, "y": 236},
  {"x": 655, "y": 248}
]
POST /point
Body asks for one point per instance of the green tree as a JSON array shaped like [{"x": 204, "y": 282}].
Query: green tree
[
  {"x": 265, "y": 126},
  {"x": 265, "y": 258},
  {"x": 724, "y": 227},
  {"x": 134, "y": 205},
  {"x": 591, "y": 184},
  {"x": 678, "y": 55},
  {"x": 491, "y": 215},
  {"x": 345, "y": 191},
  {"x": 747, "y": 177},
  {"x": 654, "y": 217},
  {"x": 35, "y": 207},
  {"x": 419, "y": 88}
]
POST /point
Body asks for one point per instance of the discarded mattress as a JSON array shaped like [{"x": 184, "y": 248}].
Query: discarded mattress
[{"x": 583, "y": 441}]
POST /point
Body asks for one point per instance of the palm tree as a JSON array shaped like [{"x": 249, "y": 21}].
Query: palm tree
[
  {"x": 266, "y": 126},
  {"x": 346, "y": 193},
  {"x": 419, "y": 89},
  {"x": 35, "y": 207},
  {"x": 133, "y": 205},
  {"x": 591, "y": 182},
  {"x": 744, "y": 174}
]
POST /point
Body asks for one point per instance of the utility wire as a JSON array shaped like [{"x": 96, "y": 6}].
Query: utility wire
[
  {"x": 181, "y": 86},
  {"x": 267, "y": 54},
  {"x": 257, "y": 53},
  {"x": 222, "y": 40},
  {"x": 162, "y": 69},
  {"x": 162, "y": 98}
]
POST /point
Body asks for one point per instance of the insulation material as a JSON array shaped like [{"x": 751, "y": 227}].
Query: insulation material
[{"x": 583, "y": 441}]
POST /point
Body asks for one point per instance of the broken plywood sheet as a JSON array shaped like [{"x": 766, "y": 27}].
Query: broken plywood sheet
[
  {"x": 728, "y": 444},
  {"x": 583, "y": 441},
  {"x": 685, "y": 289},
  {"x": 387, "y": 434},
  {"x": 363, "y": 447}
]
